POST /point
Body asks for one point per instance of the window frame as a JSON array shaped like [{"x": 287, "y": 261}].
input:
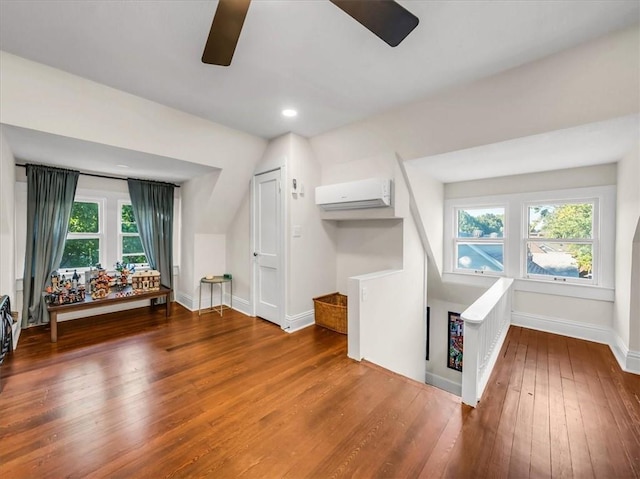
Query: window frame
[
  {"x": 593, "y": 241},
  {"x": 122, "y": 235},
  {"x": 100, "y": 235},
  {"x": 479, "y": 240},
  {"x": 599, "y": 287}
]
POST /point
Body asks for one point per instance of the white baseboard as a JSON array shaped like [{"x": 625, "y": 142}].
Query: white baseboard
[
  {"x": 443, "y": 383},
  {"x": 299, "y": 321},
  {"x": 563, "y": 327},
  {"x": 242, "y": 305},
  {"x": 633, "y": 362},
  {"x": 629, "y": 360},
  {"x": 185, "y": 300}
]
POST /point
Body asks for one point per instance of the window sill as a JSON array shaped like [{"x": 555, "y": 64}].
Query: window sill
[{"x": 572, "y": 290}]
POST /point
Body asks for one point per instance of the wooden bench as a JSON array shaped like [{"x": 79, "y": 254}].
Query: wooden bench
[{"x": 90, "y": 303}]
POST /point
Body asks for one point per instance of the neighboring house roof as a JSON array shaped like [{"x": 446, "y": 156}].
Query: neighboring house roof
[{"x": 489, "y": 257}]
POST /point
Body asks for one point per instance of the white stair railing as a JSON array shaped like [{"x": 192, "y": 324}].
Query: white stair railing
[{"x": 486, "y": 323}]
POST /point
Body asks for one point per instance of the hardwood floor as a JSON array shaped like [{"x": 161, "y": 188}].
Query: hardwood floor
[{"x": 135, "y": 394}]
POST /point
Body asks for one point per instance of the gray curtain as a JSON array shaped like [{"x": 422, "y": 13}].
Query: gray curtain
[
  {"x": 50, "y": 193},
  {"x": 152, "y": 205}
]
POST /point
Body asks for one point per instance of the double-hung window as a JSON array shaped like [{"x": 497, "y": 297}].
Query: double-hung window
[
  {"x": 130, "y": 245},
  {"x": 479, "y": 239},
  {"x": 541, "y": 238},
  {"x": 85, "y": 240},
  {"x": 560, "y": 242}
]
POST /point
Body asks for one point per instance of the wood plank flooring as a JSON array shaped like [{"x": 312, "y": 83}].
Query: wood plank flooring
[{"x": 135, "y": 394}]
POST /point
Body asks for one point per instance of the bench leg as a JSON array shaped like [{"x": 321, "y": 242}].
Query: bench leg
[{"x": 53, "y": 322}]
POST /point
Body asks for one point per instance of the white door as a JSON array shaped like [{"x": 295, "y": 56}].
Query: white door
[{"x": 267, "y": 240}]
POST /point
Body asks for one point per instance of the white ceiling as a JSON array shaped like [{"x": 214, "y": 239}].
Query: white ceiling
[
  {"x": 585, "y": 145},
  {"x": 306, "y": 54},
  {"x": 309, "y": 55}
]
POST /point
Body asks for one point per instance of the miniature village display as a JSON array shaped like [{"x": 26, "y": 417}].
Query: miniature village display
[
  {"x": 100, "y": 285},
  {"x": 124, "y": 271},
  {"x": 64, "y": 290},
  {"x": 146, "y": 280}
]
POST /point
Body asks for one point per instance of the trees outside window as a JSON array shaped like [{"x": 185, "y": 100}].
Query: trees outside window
[
  {"x": 479, "y": 239},
  {"x": 560, "y": 239},
  {"x": 539, "y": 238},
  {"x": 82, "y": 247},
  {"x": 131, "y": 250}
]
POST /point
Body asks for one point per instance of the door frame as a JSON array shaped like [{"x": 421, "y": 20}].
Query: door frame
[{"x": 282, "y": 246}]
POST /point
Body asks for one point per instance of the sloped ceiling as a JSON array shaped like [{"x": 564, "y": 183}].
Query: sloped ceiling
[{"x": 303, "y": 54}]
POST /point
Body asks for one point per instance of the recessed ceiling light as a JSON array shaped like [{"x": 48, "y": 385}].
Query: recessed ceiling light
[
  {"x": 289, "y": 112},
  {"x": 122, "y": 166}
]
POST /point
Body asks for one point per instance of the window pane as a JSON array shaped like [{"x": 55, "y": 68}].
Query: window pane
[
  {"x": 135, "y": 258},
  {"x": 84, "y": 218},
  {"x": 80, "y": 253},
  {"x": 480, "y": 256},
  {"x": 480, "y": 223},
  {"x": 127, "y": 220},
  {"x": 569, "y": 220},
  {"x": 132, "y": 244},
  {"x": 132, "y": 250},
  {"x": 574, "y": 260}
]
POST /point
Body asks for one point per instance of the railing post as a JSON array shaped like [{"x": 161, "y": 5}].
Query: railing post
[
  {"x": 470, "y": 363},
  {"x": 486, "y": 323}
]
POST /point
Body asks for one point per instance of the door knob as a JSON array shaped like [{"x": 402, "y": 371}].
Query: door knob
[{"x": 255, "y": 254}]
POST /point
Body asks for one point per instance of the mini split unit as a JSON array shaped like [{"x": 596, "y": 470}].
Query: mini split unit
[{"x": 371, "y": 193}]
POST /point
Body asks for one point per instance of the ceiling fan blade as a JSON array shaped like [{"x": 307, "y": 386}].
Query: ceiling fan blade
[
  {"x": 387, "y": 19},
  {"x": 225, "y": 31}
]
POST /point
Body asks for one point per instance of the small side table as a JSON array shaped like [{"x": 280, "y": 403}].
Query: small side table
[{"x": 220, "y": 280}]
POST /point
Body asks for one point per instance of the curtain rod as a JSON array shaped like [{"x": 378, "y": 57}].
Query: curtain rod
[{"x": 95, "y": 175}]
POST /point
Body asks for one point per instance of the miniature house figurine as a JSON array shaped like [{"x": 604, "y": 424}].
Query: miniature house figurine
[{"x": 146, "y": 280}]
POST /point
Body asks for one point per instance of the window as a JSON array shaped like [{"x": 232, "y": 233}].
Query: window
[
  {"x": 479, "y": 239},
  {"x": 84, "y": 240},
  {"x": 541, "y": 239},
  {"x": 130, "y": 245},
  {"x": 560, "y": 240}
]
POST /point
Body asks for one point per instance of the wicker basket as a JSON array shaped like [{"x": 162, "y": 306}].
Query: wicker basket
[{"x": 331, "y": 312}]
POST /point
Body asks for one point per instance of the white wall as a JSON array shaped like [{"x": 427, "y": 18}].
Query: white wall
[
  {"x": 209, "y": 259},
  {"x": 42, "y": 98},
  {"x": 599, "y": 175},
  {"x": 239, "y": 254},
  {"x": 238, "y": 236},
  {"x": 198, "y": 206},
  {"x": 626, "y": 320},
  {"x": 427, "y": 201},
  {"x": 386, "y": 311},
  {"x": 634, "y": 316},
  {"x": 594, "y": 81},
  {"x": 309, "y": 245},
  {"x": 589, "y": 83},
  {"x": 7, "y": 224},
  {"x": 437, "y": 372},
  {"x": 311, "y": 249},
  {"x": 366, "y": 246}
]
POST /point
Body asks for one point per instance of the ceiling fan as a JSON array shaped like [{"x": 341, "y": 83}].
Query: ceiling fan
[{"x": 387, "y": 19}]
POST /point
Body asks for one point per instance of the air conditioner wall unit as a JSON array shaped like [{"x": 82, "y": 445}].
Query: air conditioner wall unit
[{"x": 369, "y": 193}]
